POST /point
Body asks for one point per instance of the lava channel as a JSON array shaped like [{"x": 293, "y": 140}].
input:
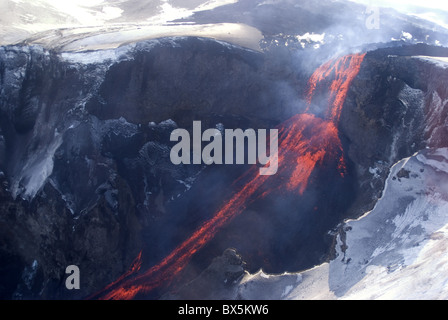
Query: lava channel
[{"x": 305, "y": 142}]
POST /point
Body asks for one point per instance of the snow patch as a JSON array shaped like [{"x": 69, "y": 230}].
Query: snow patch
[
  {"x": 36, "y": 170},
  {"x": 441, "y": 62},
  {"x": 375, "y": 172},
  {"x": 100, "y": 56},
  {"x": 406, "y": 35}
]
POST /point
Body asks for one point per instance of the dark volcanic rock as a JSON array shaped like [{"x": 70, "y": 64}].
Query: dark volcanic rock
[
  {"x": 193, "y": 80},
  {"x": 84, "y": 153},
  {"x": 215, "y": 282},
  {"x": 86, "y": 177},
  {"x": 39, "y": 240},
  {"x": 394, "y": 108}
]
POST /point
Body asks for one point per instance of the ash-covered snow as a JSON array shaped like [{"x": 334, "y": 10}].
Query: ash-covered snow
[
  {"x": 441, "y": 62},
  {"x": 25, "y": 19},
  {"x": 35, "y": 171},
  {"x": 386, "y": 249},
  {"x": 261, "y": 286},
  {"x": 396, "y": 251},
  {"x": 100, "y": 56}
]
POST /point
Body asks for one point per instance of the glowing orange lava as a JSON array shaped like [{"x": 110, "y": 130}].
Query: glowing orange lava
[
  {"x": 344, "y": 71},
  {"x": 305, "y": 142}
]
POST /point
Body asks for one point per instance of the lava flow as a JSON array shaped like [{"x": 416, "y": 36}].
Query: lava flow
[
  {"x": 305, "y": 142},
  {"x": 345, "y": 70}
]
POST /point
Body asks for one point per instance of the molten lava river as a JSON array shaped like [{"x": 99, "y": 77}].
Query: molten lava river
[{"x": 305, "y": 143}]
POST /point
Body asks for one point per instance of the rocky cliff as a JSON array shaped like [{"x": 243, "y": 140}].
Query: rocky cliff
[
  {"x": 86, "y": 177},
  {"x": 85, "y": 144}
]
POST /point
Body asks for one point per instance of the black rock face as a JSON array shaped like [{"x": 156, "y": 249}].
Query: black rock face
[
  {"x": 187, "y": 82},
  {"x": 86, "y": 177},
  {"x": 85, "y": 152},
  {"x": 394, "y": 109}
]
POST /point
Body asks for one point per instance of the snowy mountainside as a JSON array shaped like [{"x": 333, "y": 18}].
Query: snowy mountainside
[
  {"x": 81, "y": 25},
  {"x": 397, "y": 251}
]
